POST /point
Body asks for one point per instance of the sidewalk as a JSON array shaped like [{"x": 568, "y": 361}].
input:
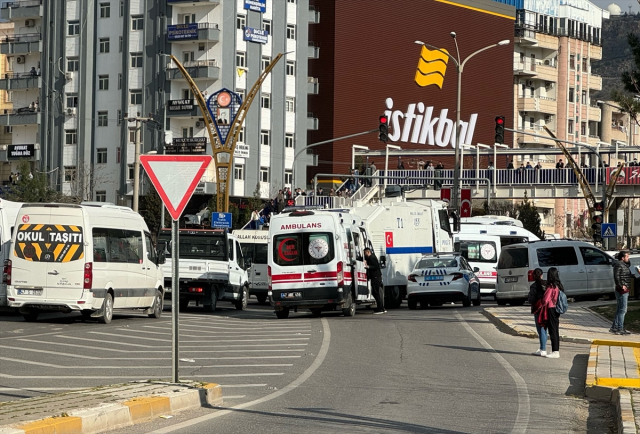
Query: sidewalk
[{"x": 104, "y": 408}]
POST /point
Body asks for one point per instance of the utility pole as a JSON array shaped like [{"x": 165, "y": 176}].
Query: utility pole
[{"x": 136, "y": 160}]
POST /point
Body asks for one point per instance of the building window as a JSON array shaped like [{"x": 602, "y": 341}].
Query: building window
[
  {"x": 584, "y": 65},
  {"x": 73, "y": 28},
  {"x": 132, "y": 135},
  {"x": 264, "y": 174},
  {"x": 290, "y": 104},
  {"x": 240, "y": 93},
  {"x": 571, "y": 95},
  {"x": 119, "y": 115},
  {"x": 583, "y": 128},
  {"x": 291, "y": 31},
  {"x": 241, "y": 22},
  {"x": 136, "y": 60},
  {"x": 570, "y": 127},
  {"x": 103, "y": 82},
  {"x": 69, "y": 173},
  {"x": 265, "y": 62},
  {"x": 584, "y": 97},
  {"x": 291, "y": 1},
  {"x": 120, "y": 43},
  {"x": 135, "y": 96},
  {"x": 122, "y": 8},
  {"x": 241, "y": 135},
  {"x": 130, "y": 172},
  {"x": 101, "y": 156},
  {"x": 288, "y": 177},
  {"x": 119, "y": 81},
  {"x": 266, "y": 25},
  {"x": 73, "y": 64},
  {"x": 101, "y": 196},
  {"x": 103, "y": 119},
  {"x": 201, "y": 47},
  {"x": 187, "y": 132},
  {"x": 572, "y": 62},
  {"x": 288, "y": 140},
  {"x": 71, "y": 137},
  {"x": 105, "y": 10},
  {"x": 72, "y": 100},
  {"x": 265, "y": 101},
  {"x": 238, "y": 172},
  {"x": 264, "y": 137},
  {"x": 137, "y": 22},
  {"x": 104, "y": 45},
  {"x": 241, "y": 59},
  {"x": 291, "y": 68}
]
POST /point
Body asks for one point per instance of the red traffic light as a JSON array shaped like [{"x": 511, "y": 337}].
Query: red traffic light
[
  {"x": 597, "y": 219},
  {"x": 500, "y": 120},
  {"x": 384, "y": 120}
]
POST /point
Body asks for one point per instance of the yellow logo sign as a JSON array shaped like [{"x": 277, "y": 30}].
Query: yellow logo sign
[
  {"x": 49, "y": 243},
  {"x": 431, "y": 67}
]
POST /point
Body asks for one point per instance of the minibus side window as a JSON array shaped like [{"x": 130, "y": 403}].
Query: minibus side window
[
  {"x": 151, "y": 251},
  {"x": 231, "y": 250},
  {"x": 240, "y": 257}
]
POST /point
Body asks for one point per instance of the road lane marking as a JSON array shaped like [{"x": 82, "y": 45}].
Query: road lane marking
[
  {"x": 522, "y": 418},
  {"x": 204, "y": 341},
  {"x": 52, "y": 365},
  {"x": 322, "y": 354},
  {"x": 242, "y": 385},
  {"x": 236, "y": 335},
  {"x": 57, "y": 353},
  {"x": 104, "y": 377}
]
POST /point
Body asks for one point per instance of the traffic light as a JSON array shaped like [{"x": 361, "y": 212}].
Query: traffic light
[
  {"x": 384, "y": 129},
  {"x": 597, "y": 221},
  {"x": 499, "y": 129}
]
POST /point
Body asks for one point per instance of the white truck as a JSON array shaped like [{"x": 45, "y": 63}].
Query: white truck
[
  {"x": 401, "y": 232},
  {"x": 255, "y": 244},
  {"x": 211, "y": 267}
]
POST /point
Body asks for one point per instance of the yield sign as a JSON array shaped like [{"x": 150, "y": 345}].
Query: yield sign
[{"x": 175, "y": 177}]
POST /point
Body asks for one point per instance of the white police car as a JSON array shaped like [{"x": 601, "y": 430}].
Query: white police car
[{"x": 440, "y": 278}]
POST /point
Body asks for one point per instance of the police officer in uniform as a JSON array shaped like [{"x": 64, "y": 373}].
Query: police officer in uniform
[{"x": 374, "y": 274}]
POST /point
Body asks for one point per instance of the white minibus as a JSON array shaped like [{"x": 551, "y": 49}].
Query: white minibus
[{"x": 255, "y": 246}]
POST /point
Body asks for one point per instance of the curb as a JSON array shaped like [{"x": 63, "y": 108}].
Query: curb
[
  {"x": 107, "y": 417},
  {"x": 621, "y": 399}
]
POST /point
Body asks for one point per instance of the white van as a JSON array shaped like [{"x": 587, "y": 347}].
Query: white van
[
  {"x": 255, "y": 244},
  {"x": 8, "y": 213},
  {"x": 476, "y": 242},
  {"x": 87, "y": 259},
  {"x": 316, "y": 262},
  {"x": 585, "y": 271}
]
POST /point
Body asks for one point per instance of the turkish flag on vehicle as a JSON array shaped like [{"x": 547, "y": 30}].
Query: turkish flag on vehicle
[
  {"x": 445, "y": 195},
  {"x": 388, "y": 239},
  {"x": 465, "y": 202}
]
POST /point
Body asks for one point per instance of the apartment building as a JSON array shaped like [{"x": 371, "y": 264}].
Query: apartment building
[
  {"x": 6, "y": 30},
  {"x": 78, "y": 82},
  {"x": 554, "y": 45}
]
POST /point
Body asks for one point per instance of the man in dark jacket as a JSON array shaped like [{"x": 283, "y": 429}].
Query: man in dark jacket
[
  {"x": 622, "y": 277},
  {"x": 374, "y": 274}
]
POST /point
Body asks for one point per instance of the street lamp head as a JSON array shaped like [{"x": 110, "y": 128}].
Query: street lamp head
[
  {"x": 453, "y": 35},
  {"x": 504, "y": 42},
  {"x": 418, "y": 42}
]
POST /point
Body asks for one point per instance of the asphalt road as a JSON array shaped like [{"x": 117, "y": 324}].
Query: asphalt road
[{"x": 444, "y": 370}]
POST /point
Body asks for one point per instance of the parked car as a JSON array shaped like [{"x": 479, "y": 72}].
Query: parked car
[
  {"x": 439, "y": 278},
  {"x": 585, "y": 270}
]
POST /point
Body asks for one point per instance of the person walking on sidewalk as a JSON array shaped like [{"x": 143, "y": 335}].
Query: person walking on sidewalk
[
  {"x": 622, "y": 277},
  {"x": 549, "y": 301},
  {"x": 374, "y": 274},
  {"x": 536, "y": 294}
]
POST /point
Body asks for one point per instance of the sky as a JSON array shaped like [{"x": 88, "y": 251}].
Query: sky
[{"x": 624, "y": 4}]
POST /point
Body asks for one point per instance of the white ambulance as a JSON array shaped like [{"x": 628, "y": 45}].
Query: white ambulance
[
  {"x": 254, "y": 244},
  {"x": 86, "y": 259},
  {"x": 316, "y": 262}
]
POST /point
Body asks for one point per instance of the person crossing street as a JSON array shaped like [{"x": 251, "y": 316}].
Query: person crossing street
[{"x": 374, "y": 274}]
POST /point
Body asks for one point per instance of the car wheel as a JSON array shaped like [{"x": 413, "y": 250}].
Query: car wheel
[
  {"x": 86, "y": 314},
  {"x": 262, "y": 298},
  {"x": 316, "y": 312},
  {"x": 157, "y": 305},
  {"x": 242, "y": 303},
  {"x": 518, "y": 302},
  {"x": 350, "y": 309},
  {"x": 31, "y": 316},
  {"x": 393, "y": 297},
  {"x": 478, "y": 299},
  {"x": 107, "y": 309},
  {"x": 501, "y": 302},
  {"x": 425, "y": 305},
  {"x": 184, "y": 305},
  {"x": 213, "y": 300},
  {"x": 282, "y": 314},
  {"x": 413, "y": 304}
]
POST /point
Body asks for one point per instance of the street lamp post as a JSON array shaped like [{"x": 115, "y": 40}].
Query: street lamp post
[
  {"x": 460, "y": 68},
  {"x": 386, "y": 161}
]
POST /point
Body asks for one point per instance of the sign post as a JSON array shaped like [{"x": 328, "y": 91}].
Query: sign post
[{"x": 175, "y": 177}]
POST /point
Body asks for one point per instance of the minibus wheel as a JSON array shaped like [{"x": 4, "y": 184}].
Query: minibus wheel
[
  {"x": 107, "y": 309},
  {"x": 31, "y": 316},
  {"x": 157, "y": 305},
  {"x": 350, "y": 309},
  {"x": 242, "y": 303},
  {"x": 213, "y": 300}
]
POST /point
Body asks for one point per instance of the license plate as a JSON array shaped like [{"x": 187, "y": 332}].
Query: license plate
[
  {"x": 29, "y": 291},
  {"x": 510, "y": 279},
  {"x": 433, "y": 278},
  {"x": 291, "y": 295}
]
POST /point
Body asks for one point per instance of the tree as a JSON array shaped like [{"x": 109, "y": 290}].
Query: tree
[
  {"x": 529, "y": 216},
  {"x": 627, "y": 98},
  {"x": 152, "y": 211},
  {"x": 501, "y": 207},
  {"x": 32, "y": 189}
]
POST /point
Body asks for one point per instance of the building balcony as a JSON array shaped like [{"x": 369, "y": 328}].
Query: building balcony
[
  {"x": 197, "y": 69},
  {"x": 595, "y": 82},
  {"x": 525, "y": 68},
  {"x": 186, "y": 3},
  {"x": 595, "y": 52},
  {"x": 546, "y": 71},
  {"x": 192, "y": 33},
  {"x": 525, "y": 140},
  {"x": 183, "y": 108},
  {"x": 594, "y": 114},
  {"x": 525, "y": 36},
  {"x": 312, "y": 122},
  {"x": 21, "y": 116},
  {"x": 313, "y": 87},
  {"x": 21, "y": 9},
  {"x": 314, "y": 15},
  {"x": 21, "y": 44},
  {"x": 19, "y": 81},
  {"x": 537, "y": 104},
  {"x": 314, "y": 52}
]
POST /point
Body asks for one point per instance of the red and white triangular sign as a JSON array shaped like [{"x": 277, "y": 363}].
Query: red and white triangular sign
[{"x": 175, "y": 177}]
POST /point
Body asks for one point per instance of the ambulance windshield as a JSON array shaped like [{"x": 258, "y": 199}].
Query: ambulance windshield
[{"x": 303, "y": 249}]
